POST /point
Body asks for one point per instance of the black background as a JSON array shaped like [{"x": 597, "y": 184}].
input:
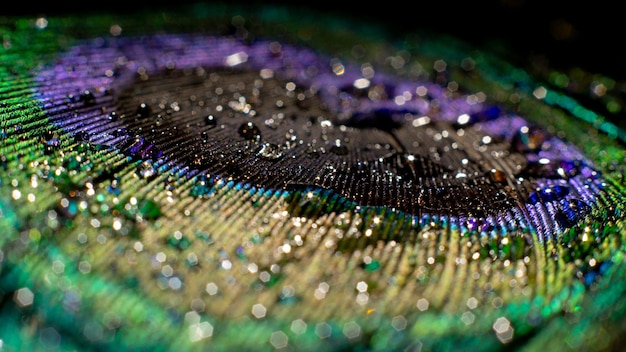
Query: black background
[{"x": 586, "y": 34}]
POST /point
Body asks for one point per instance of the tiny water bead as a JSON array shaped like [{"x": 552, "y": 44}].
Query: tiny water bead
[
  {"x": 249, "y": 131},
  {"x": 143, "y": 110},
  {"x": 270, "y": 151},
  {"x": 210, "y": 121}
]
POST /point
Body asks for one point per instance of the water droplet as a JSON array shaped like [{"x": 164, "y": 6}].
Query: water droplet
[
  {"x": 146, "y": 170},
  {"x": 143, "y": 110},
  {"x": 68, "y": 208},
  {"x": 496, "y": 175},
  {"x": 529, "y": 139},
  {"x": 113, "y": 116},
  {"x": 488, "y": 114},
  {"x": 88, "y": 98},
  {"x": 549, "y": 194},
  {"x": 52, "y": 145},
  {"x": 312, "y": 152},
  {"x": 210, "y": 121},
  {"x": 250, "y": 131},
  {"x": 149, "y": 210},
  {"x": 371, "y": 265},
  {"x": 48, "y": 135},
  {"x": 338, "y": 148},
  {"x": 133, "y": 145},
  {"x": 178, "y": 241},
  {"x": 554, "y": 168},
  {"x": 81, "y": 136},
  {"x": 571, "y": 212},
  {"x": 270, "y": 151},
  {"x": 202, "y": 189}
]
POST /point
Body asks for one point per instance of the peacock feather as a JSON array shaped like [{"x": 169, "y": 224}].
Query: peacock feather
[{"x": 223, "y": 178}]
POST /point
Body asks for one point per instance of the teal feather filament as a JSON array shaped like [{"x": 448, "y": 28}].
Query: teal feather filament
[{"x": 192, "y": 190}]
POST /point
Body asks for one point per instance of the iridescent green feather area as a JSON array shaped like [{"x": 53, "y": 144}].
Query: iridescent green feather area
[{"x": 108, "y": 242}]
